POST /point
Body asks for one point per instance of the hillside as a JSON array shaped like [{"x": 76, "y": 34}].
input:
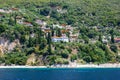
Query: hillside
[
  {"x": 91, "y": 11},
  {"x": 51, "y": 32}
]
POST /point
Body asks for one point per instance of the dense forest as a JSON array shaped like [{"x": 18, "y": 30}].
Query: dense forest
[{"x": 51, "y": 32}]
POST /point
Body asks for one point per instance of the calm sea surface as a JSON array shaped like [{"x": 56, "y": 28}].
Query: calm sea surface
[{"x": 60, "y": 74}]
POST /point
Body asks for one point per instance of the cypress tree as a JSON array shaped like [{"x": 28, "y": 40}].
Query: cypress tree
[
  {"x": 52, "y": 32},
  {"x": 59, "y": 33},
  {"x": 100, "y": 38},
  {"x": 39, "y": 36},
  {"x": 49, "y": 43},
  {"x": 112, "y": 38},
  {"x": 30, "y": 43},
  {"x": 15, "y": 21}
]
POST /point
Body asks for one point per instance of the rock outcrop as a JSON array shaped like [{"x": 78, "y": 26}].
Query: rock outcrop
[
  {"x": 1, "y": 51},
  {"x": 7, "y": 46},
  {"x": 31, "y": 60}
]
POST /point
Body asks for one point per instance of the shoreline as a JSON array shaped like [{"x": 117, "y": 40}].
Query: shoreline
[
  {"x": 23, "y": 66},
  {"x": 74, "y": 65},
  {"x": 107, "y": 65}
]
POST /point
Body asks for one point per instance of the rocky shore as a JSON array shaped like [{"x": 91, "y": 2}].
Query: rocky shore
[{"x": 74, "y": 65}]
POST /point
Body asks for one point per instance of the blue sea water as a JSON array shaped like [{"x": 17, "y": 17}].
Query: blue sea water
[{"x": 60, "y": 74}]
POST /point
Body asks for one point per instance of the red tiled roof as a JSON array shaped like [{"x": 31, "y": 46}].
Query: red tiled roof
[
  {"x": 64, "y": 31},
  {"x": 27, "y": 23},
  {"x": 73, "y": 36},
  {"x": 63, "y": 25},
  {"x": 14, "y": 9},
  {"x": 116, "y": 38},
  {"x": 55, "y": 37},
  {"x": 47, "y": 30}
]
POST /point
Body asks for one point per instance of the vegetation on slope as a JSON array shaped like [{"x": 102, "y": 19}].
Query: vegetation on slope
[{"x": 82, "y": 14}]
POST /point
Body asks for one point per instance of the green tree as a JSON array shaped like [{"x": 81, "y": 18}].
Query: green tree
[
  {"x": 114, "y": 48},
  {"x": 15, "y": 58},
  {"x": 52, "y": 32},
  {"x": 55, "y": 15},
  {"x": 100, "y": 38},
  {"x": 112, "y": 38},
  {"x": 65, "y": 53},
  {"x": 59, "y": 34},
  {"x": 87, "y": 59},
  {"x": 22, "y": 39},
  {"x": 110, "y": 56},
  {"x": 30, "y": 42},
  {"x": 73, "y": 57},
  {"x": 2, "y": 28},
  {"x": 49, "y": 42},
  {"x": 45, "y": 11},
  {"x": 39, "y": 36},
  {"x": 11, "y": 22},
  {"x": 99, "y": 55},
  {"x": 15, "y": 15}
]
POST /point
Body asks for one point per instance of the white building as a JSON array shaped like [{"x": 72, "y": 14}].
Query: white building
[
  {"x": 57, "y": 26},
  {"x": 58, "y": 39},
  {"x": 5, "y": 11},
  {"x": 40, "y": 22},
  {"x": 105, "y": 41},
  {"x": 60, "y": 10}
]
